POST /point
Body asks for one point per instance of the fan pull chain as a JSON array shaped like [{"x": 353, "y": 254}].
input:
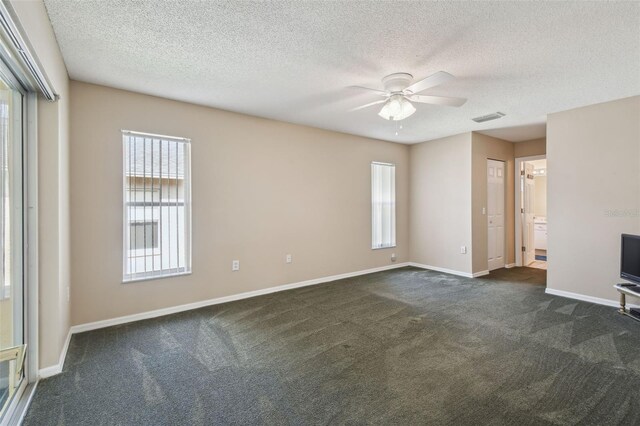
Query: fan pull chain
[{"x": 398, "y": 127}]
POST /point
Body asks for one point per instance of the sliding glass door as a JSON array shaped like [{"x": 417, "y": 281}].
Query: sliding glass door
[{"x": 12, "y": 339}]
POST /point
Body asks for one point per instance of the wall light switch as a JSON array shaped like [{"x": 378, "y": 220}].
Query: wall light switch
[
  {"x": 463, "y": 250},
  {"x": 235, "y": 265},
  {"x": 484, "y": 210},
  {"x": 288, "y": 258}
]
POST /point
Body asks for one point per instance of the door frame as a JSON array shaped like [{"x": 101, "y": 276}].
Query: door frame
[
  {"x": 518, "y": 199},
  {"x": 16, "y": 412},
  {"x": 17, "y": 407}
]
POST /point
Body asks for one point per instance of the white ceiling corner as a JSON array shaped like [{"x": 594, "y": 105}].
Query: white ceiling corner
[{"x": 293, "y": 61}]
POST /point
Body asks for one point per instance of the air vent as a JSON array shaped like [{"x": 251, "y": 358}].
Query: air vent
[{"x": 488, "y": 117}]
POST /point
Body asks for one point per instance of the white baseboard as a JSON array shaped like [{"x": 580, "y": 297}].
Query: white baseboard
[
  {"x": 446, "y": 271},
  {"x": 585, "y": 298},
  {"x": 56, "y": 368},
  {"x": 190, "y": 306},
  {"x": 510, "y": 265}
]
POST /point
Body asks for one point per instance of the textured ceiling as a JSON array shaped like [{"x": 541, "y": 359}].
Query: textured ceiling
[{"x": 294, "y": 60}]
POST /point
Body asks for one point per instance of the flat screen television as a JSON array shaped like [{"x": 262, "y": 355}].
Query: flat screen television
[{"x": 630, "y": 258}]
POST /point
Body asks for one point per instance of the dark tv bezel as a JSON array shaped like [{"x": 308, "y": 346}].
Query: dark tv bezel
[{"x": 628, "y": 277}]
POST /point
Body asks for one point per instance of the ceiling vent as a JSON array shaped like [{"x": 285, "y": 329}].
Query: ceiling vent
[{"x": 488, "y": 117}]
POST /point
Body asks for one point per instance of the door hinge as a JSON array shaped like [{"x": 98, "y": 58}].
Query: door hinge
[
  {"x": 521, "y": 172},
  {"x": 521, "y": 210},
  {"x": 524, "y": 248}
]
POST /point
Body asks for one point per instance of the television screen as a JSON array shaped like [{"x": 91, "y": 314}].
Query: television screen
[{"x": 630, "y": 258}]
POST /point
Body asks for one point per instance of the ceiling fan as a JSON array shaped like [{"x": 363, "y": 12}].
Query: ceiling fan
[{"x": 399, "y": 94}]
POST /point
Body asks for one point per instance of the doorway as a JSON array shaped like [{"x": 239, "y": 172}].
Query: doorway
[
  {"x": 531, "y": 212},
  {"x": 495, "y": 214}
]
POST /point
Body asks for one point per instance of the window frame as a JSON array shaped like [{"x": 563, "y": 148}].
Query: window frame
[
  {"x": 168, "y": 272},
  {"x": 394, "y": 242}
]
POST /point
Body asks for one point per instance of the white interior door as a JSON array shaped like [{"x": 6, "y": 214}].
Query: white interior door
[
  {"x": 495, "y": 213},
  {"x": 528, "y": 227}
]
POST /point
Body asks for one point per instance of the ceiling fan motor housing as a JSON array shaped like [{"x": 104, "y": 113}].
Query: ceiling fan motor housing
[{"x": 397, "y": 82}]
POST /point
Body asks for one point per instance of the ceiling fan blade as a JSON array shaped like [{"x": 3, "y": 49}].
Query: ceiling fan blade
[
  {"x": 438, "y": 100},
  {"x": 367, "y": 105},
  {"x": 431, "y": 81},
  {"x": 376, "y": 91}
]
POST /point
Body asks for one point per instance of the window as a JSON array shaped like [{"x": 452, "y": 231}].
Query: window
[
  {"x": 383, "y": 205},
  {"x": 157, "y": 206}
]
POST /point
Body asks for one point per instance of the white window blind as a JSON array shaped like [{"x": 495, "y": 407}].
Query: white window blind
[
  {"x": 157, "y": 206},
  {"x": 383, "y": 205}
]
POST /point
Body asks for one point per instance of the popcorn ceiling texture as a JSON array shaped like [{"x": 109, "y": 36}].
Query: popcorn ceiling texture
[{"x": 294, "y": 60}]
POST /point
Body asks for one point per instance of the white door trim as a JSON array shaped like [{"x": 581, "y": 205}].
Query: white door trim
[{"x": 518, "y": 197}]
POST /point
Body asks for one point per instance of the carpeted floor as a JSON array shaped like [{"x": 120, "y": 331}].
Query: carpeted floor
[{"x": 406, "y": 346}]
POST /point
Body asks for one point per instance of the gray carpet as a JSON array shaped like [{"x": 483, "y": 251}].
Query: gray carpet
[{"x": 406, "y": 346}]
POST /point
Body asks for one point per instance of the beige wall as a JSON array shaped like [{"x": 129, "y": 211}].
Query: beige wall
[
  {"x": 261, "y": 189},
  {"x": 440, "y": 199},
  {"x": 484, "y": 148},
  {"x": 53, "y": 182},
  {"x": 530, "y": 148},
  {"x": 540, "y": 196},
  {"x": 593, "y": 158}
]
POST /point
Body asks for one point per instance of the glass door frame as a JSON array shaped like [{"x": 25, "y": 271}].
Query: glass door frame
[{"x": 23, "y": 393}]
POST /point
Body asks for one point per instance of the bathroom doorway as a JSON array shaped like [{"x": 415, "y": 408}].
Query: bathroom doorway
[{"x": 531, "y": 212}]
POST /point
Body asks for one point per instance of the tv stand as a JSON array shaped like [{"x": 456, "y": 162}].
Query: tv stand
[{"x": 628, "y": 289}]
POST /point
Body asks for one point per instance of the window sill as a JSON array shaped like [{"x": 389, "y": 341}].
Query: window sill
[
  {"x": 158, "y": 277},
  {"x": 382, "y": 248}
]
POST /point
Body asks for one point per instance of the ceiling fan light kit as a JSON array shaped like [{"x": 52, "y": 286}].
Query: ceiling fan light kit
[
  {"x": 400, "y": 94},
  {"x": 397, "y": 108}
]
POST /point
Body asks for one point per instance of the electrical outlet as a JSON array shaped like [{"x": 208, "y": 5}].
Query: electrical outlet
[
  {"x": 288, "y": 258},
  {"x": 463, "y": 250},
  {"x": 484, "y": 210},
  {"x": 235, "y": 265},
  {"x": 393, "y": 257}
]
